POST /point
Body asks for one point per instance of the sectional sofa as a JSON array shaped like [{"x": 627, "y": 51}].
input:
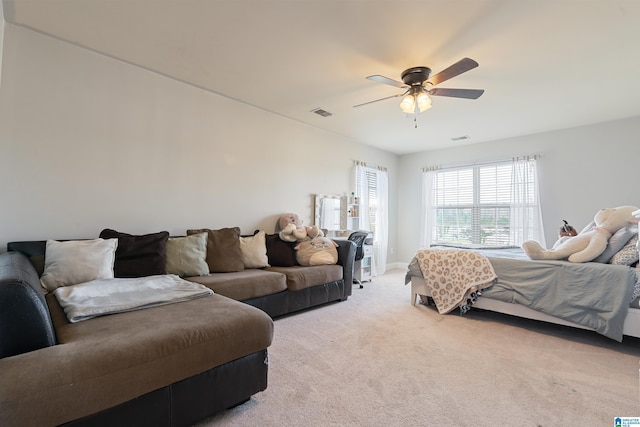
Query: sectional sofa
[{"x": 168, "y": 365}]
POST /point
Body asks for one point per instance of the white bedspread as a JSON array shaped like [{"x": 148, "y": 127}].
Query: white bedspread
[{"x": 108, "y": 296}]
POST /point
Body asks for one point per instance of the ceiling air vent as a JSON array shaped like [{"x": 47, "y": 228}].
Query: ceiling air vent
[
  {"x": 321, "y": 112},
  {"x": 460, "y": 138}
]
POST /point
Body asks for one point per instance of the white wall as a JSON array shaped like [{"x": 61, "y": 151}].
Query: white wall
[
  {"x": 89, "y": 142},
  {"x": 581, "y": 170},
  {"x": 1, "y": 38}
]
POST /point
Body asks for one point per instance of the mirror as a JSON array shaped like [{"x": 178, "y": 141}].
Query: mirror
[{"x": 330, "y": 213}]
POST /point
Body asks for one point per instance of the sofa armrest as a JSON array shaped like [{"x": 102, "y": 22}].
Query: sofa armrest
[
  {"x": 346, "y": 256},
  {"x": 25, "y": 322}
]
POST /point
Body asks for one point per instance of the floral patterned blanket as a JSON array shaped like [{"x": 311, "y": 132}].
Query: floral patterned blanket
[{"x": 454, "y": 276}]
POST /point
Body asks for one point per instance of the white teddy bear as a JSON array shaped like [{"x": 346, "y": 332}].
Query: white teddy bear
[{"x": 587, "y": 245}]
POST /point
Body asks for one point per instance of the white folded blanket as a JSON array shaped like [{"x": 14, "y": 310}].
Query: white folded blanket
[{"x": 108, "y": 296}]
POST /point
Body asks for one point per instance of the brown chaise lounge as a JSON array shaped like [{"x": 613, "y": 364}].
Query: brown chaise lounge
[{"x": 171, "y": 365}]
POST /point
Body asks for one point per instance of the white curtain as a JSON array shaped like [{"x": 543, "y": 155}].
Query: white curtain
[
  {"x": 363, "y": 196},
  {"x": 382, "y": 221},
  {"x": 526, "y": 214},
  {"x": 427, "y": 213}
]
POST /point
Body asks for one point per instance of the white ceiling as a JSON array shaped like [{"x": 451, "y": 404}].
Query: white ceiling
[{"x": 544, "y": 64}]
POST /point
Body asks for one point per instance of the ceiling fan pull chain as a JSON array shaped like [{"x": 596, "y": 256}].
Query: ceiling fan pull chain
[{"x": 415, "y": 121}]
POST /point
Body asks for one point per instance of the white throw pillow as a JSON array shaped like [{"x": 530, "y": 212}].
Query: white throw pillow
[
  {"x": 187, "y": 256},
  {"x": 254, "y": 250},
  {"x": 77, "y": 261}
]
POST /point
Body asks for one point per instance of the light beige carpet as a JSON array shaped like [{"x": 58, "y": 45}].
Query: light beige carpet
[{"x": 375, "y": 360}]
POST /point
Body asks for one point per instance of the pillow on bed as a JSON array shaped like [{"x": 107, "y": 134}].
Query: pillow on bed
[
  {"x": 77, "y": 261},
  {"x": 628, "y": 255},
  {"x": 616, "y": 242}
]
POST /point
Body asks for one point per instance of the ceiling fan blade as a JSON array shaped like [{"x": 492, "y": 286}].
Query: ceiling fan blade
[
  {"x": 462, "y": 66},
  {"x": 386, "y": 80},
  {"x": 381, "y": 99},
  {"x": 457, "y": 93}
]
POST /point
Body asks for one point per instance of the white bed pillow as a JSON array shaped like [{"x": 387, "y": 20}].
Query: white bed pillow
[
  {"x": 187, "y": 256},
  {"x": 77, "y": 261},
  {"x": 254, "y": 250}
]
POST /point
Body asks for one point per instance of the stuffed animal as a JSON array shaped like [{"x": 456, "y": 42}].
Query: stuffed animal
[
  {"x": 587, "y": 245},
  {"x": 292, "y": 229},
  {"x": 567, "y": 230},
  {"x": 313, "y": 231},
  {"x": 317, "y": 251}
]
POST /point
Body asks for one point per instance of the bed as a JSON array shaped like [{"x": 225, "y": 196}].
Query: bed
[{"x": 595, "y": 296}]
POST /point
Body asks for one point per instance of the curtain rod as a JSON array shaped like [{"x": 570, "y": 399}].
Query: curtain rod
[
  {"x": 493, "y": 162},
  {"x": 361, "y": 163}
]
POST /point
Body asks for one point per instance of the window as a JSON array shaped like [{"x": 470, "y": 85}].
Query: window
[
  {"x": 372, "y": 189},
  {"x": 367, "y": 189},
  {"x": 493, "y": 204}
]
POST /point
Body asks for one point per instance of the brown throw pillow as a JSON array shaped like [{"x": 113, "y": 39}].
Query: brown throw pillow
[
  {"x": 223, "y": 249},
  {"x": 138, "y": 256}
]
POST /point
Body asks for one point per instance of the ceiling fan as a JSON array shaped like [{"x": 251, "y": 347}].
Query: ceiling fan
[{"x": 418, "y": 86}]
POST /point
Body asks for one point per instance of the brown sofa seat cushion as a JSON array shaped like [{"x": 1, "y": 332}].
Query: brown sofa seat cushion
[
  {"x": 109, "y": 360},
  {"x": 243, "y": 285},
  {"x": 305, "y": 277}
]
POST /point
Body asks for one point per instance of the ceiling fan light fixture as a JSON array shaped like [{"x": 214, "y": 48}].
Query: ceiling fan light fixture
[
  {"x": 417, "y": 97},
  {"x": 423, "y": 101},
  {"x": 408, "y": 104}
]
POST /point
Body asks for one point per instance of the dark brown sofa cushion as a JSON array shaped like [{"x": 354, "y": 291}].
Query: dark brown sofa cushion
[
  {"x": 138, "y": 255},
  {"x": 279, "y": 252},
  {"x": 223, "y": 249}
]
